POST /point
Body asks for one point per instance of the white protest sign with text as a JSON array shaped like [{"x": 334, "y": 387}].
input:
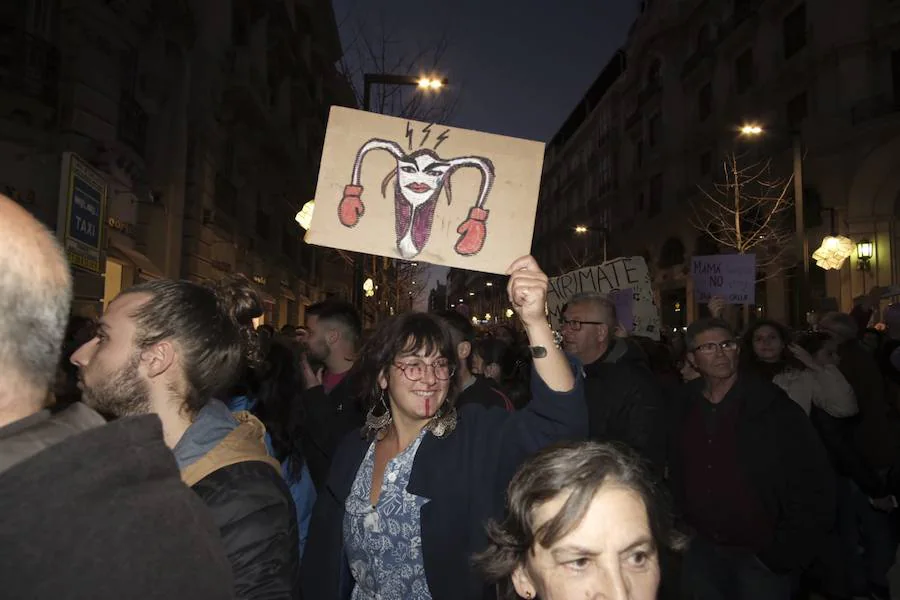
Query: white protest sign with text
[{"x": 612, "y": 276}]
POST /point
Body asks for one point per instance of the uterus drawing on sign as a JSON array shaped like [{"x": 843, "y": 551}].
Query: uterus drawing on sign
[{"x": 419, "y": 177}]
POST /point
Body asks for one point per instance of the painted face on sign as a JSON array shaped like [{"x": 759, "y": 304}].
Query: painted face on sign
[{"x": 421, "y": 178}]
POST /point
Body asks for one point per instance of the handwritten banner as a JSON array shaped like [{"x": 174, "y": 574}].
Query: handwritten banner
[
  {"x": 731, "y": 276},
  {"x": 625, "y": 280}
]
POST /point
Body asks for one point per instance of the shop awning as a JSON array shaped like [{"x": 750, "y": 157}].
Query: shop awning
[{"x": 141, "y": 262}]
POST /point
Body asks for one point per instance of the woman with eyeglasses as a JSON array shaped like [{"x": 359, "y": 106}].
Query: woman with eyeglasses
[{"x": 405, "y": 503}]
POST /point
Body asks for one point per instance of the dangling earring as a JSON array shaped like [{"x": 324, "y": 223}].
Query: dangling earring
[
  {"x": 375, "y": 423},
  {"x": 444, "y": 422}
]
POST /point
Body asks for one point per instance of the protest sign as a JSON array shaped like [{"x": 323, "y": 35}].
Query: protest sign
[
  {"x": 731, "y": 276},
  {"x": 636, "y": 310},
  {"x": 384, "y": 188}
]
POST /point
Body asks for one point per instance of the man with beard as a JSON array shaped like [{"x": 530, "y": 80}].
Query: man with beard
[
  {"x": 167, "y": 347},
  {"x": 89, "y": 510},
  {"x": 332, "y": 411}
]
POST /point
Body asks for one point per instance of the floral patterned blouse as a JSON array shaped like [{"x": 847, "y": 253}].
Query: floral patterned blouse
[{"x": 384, "y": 543}]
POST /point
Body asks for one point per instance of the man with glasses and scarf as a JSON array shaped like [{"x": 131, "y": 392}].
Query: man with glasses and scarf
[
  {"x": 624, "y": 399},
  {"x": 749, "y": 476}
]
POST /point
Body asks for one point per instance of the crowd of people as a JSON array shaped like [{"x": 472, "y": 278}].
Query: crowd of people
[{"x": 172, "y": 449}]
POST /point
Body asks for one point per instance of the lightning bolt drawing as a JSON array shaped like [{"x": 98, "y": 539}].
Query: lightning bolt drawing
[
  {"x": 427, "y": 131},
  {"x": 443, "y": 136},
  {"x": 409, "y": 134}
]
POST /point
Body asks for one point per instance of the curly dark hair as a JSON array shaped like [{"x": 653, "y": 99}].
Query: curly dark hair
[
  {"x": 582, "y": 468},
  {"x": 403, "y": 334}
]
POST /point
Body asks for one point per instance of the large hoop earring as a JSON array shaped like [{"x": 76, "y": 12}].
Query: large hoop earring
[
  {"x": 444, "y": 422},
  {"x": 376, "y": 423}
]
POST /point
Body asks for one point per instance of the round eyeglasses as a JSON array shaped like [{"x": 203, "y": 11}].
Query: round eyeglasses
[{"x": 415, "y": 371}]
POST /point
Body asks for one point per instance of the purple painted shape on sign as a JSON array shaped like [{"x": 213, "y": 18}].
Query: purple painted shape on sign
[{"x": 624, "y": 301}]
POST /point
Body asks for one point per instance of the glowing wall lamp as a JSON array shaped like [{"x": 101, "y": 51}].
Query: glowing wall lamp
[
  {"x": 369, "y": 287},
  {"x": 865, "y": 250}
]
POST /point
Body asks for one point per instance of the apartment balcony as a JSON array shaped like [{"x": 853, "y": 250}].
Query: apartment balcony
[
  {"x": 132, "y": 126},
  {"x": 29, "y": 66},
  {"x": 873, "y": 108}
]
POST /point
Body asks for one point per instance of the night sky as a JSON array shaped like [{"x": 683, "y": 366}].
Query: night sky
[{"x": 521, "y": 65}]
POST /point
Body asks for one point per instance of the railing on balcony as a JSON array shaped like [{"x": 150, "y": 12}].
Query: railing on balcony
[
  {"x": 29, "y": 65},
  {"x": 873, "y": 108},
  {"x": 694, "y": 61},
  {"x": 743, "y": 11},
  {"x": 132, "y": 127},
  {"x": 648, "y": 93}
]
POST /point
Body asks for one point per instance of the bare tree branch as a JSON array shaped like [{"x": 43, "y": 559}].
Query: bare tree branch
[
  {"x": 373, "y": 48},
  {"x": 749, "y": 211}
]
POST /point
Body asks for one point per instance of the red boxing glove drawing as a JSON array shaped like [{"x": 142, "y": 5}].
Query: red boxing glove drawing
[
  {"x": 472, "y": 232},
  {"x": 419, "y": 178},
  {"x": 351, "y": 208}
]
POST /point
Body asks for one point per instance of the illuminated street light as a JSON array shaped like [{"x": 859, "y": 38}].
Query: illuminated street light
[
  {"x": 461, "y": 300},
  {"x": 509, "y": 313},
  {"x": 305, "y": 215},
  {"x": 369, "y": 287},
  {"x": 490, "y": 284},
  {"x": 430, "y": 83},
  {"x": 580, "y": 229},
  {"x": 751, "y": 129},
  {"x": 475, "y": 320},
  {"x": 471, "y": 293},
  {"x": 487, "y": 316}
]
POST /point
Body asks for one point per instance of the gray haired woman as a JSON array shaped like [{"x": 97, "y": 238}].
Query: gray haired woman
[{"x": 586, "y": 520}]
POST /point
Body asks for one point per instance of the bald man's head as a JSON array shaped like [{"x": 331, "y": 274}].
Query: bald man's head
[{"x": 35, "y": 298}]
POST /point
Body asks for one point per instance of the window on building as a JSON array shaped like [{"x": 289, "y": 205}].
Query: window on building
[
  {"x": 895, "y": 74},
  {"x": 704, "y": 102},
  {"x": 672, "y": 253},
  {"x": 797, "y": 110},
  {"x": 793, "y": 31},
  {"x": 705, "y": 163},
  {"x": 744, "y": 72},
  {"x": 654, "y": 74},
  {"x": 656, "y": 194},
  {"x": 654, "y": 130},
  {"x": 263, "y": 224}
]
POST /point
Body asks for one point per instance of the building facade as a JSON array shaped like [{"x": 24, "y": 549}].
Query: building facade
[
  {"x": 173, "y": 139},
  {"x": 824, "y": 74}
]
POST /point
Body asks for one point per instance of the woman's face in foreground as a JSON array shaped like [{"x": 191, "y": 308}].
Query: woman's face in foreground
[{"x": 610, "y": 554}]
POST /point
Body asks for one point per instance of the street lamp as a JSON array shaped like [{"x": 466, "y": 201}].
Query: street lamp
[
  {"x": 755, "y": 130},
  {"x": 369, "y": 79},
  {"x": 580, "y": 229},
  {"x": 865, "y": 250}
]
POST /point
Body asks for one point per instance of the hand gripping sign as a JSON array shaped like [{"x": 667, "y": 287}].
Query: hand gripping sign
[{"x": 368, "y": 158}]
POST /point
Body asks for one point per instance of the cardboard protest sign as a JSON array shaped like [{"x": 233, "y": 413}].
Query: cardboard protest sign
[
  {"x": 385, "y": 188},
  {"x": 731, "y": 276},
  {"x": 636, "y": 309}
]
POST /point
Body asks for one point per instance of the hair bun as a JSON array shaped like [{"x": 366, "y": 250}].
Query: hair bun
[{"x": 239, "y": 299}]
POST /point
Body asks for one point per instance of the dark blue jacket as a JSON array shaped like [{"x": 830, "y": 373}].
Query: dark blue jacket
[{"x": 464, "y": 475}]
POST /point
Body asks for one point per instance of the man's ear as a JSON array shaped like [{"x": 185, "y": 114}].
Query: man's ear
[
  {"x": 463, "y": 350},
  {"x": 603, "y": 332},
  {"x": 158, "y": 358}
]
